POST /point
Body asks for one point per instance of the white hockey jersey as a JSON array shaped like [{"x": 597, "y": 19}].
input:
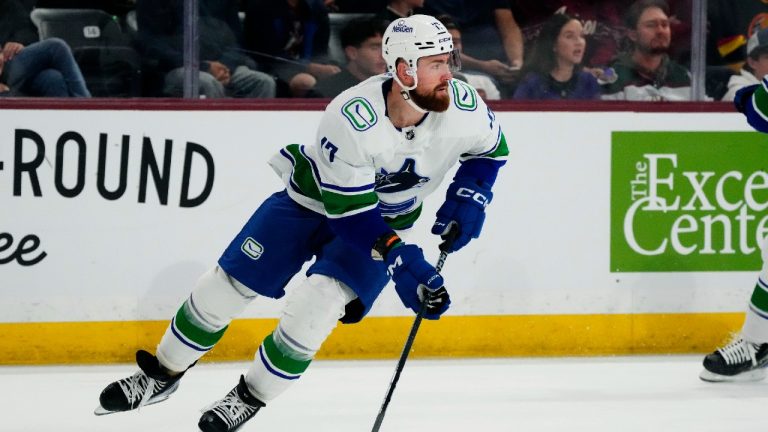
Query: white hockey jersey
[{"x": 360, "y": 160}]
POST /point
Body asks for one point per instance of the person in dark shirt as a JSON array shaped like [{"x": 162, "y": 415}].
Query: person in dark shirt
[
  {"x": 224, "y": 69},
  {"x": 554, "y": 71},
  {"x": 289, "y": 38},
  {"x": 646, "y": 72},
  {"x": 361, "y": 41}
]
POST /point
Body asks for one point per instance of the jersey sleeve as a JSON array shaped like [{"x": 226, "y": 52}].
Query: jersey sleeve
[
  {"x": 756, "y": 107},
  {"x": 488, "y": 141}
]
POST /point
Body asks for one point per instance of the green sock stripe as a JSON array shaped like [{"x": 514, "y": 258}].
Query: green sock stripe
[
  {"x": 760, "y": 298},
  {"x": 281, "y": 361},
  {"x": 186, "y": 327}
]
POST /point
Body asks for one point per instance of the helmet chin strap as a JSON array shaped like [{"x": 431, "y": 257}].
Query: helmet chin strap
[{"x": 405, "y": 91}]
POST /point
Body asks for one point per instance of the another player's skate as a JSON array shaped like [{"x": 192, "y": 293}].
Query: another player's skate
[
  {"x": 738, "y": 361},
  {"x": 230, "y": 413},
  {"x": 150, "y": 385}
]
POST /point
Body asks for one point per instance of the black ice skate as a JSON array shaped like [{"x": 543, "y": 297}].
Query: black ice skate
[
  {"x": 150, "y": 385},
  {"x": 736, "y": 362},
  {"x": 230, "y": 413}
]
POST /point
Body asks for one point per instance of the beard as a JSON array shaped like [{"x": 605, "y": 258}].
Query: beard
[
  {"x": 431, "y": 101},
  {"x": 655, "y": 48}
]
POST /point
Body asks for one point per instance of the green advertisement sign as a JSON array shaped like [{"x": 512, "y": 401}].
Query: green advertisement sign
[{"x": 688, "y": 201}]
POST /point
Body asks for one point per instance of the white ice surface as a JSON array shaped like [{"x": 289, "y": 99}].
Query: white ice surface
[{"x": 646, "y": 394}]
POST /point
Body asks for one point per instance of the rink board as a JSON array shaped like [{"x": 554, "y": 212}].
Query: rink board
[{"x": 99, "y": 251}]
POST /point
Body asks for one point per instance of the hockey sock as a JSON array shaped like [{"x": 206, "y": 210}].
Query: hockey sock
[
  {"x": 311, "y": 313},
  {"x": 756, "y": 325},
  {"x": 273, "y": 370},
  {"x": 202, "y": 319}
]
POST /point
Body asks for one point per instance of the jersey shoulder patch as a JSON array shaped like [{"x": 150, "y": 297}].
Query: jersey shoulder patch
[
  {"x": 360, "y": 113},
  {"x": 464, "y": 95}
]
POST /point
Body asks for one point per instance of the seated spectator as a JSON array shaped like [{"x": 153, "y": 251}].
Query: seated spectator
[
  {"x": 491, "y": 36},
  {"x": 361, "y": 41},
  {"x": 755, "y": 68},
  {"x": 482, "y": 83},
  {"x": 554, "y": 69},
  {"x": 224, "y": 70},
  {"x": 290, "y": 38},
  {"x": 29, "y": 67},
  {"x": 645, "y": 72},
  {"x": 399, "y": 9},
  {"x": 600, "y": 19}
]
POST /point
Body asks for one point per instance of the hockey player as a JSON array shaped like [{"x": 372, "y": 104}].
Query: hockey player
[
  {"x": 746, "y": 357},
  {"x": 381, "y": 148}
]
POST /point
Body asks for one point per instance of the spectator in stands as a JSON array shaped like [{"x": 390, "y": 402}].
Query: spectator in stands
[
  {"x": 491, "y": 38},
  {"x": 290, "y": 38},
  {"x": 361, "y": 41},
  {"x": 224, "y": 69},
  {"x": 754, "y": 69},
  {"x": 399, "y": 9},
  {"x": 645, "y": 72},
  {"x": 482, "y": 83},
  {"x": 29, "y": 67},
  {"x": 601, "y": 20},
  {"x": 554, "y": 69}
]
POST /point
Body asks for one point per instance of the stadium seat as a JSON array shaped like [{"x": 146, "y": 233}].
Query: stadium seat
[{"x": 110, "y": 65}]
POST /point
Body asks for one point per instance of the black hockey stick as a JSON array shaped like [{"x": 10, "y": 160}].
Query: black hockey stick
[{"x": 444, "y": 248}]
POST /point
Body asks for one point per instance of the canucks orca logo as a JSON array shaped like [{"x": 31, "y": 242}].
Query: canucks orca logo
[{"x": 404, "y": 179}]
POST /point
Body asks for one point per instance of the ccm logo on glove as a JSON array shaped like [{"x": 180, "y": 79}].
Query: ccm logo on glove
[{"x": 473, "y": 195}]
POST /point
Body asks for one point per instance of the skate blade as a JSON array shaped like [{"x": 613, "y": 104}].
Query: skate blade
[
  {"x": 749, "y": 376},
  {"x": 100, "y": 410}
]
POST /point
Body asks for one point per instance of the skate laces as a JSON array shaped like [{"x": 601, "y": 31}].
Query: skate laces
[
  {"x": 140, "y": 387},
  {"x": 739, "y": 351},
  {"x": 232, "y": 409},
  {"x": 136, "y": 387}
]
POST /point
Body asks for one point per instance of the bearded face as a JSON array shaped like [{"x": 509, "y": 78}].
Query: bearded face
[{"x": 434, "y": 99}]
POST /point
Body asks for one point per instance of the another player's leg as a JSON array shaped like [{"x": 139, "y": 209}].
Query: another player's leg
[
  {"x": 746, "y": 357},
  {"x": 311, "y": 313},
  {"x": 197, "y": 326}
]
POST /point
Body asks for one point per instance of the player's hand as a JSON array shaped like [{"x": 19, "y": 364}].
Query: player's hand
[
  {"x": 743, "y": 96},
  {"x": 464, "y": 208},
  {"x": 416, "y": 279}
]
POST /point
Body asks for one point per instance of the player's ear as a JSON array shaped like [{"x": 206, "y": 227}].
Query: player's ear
[{"x": 405, "y": 73}]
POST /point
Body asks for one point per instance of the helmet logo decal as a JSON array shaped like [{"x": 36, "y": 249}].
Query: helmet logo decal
[
  {"x": 401, "y": 27},
  {"x": 360, "y": 113}
]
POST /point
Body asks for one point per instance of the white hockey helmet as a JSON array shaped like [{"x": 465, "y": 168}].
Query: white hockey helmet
[{"x": 414, "y": 37}]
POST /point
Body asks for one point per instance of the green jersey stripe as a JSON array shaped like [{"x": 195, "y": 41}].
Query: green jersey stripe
[
  {"x": 500, "y": 150},
  {"x": 337, "y": 204},
  {"x": 404, "y": 220},
  {"x": 302, "y": 173},
  {"x": 281, "y": 361}
]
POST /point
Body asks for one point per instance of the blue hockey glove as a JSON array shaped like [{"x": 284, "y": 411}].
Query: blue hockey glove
[
  {"x": 464, "y": 207},
  {"x": 743, "y": 97},
  {"x": 415, "y": 278}
]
